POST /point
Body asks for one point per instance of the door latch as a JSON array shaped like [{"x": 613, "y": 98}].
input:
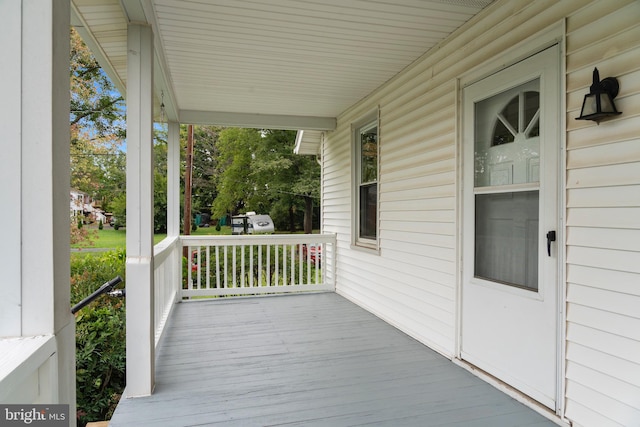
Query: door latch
[{"x": 551, "y": 237}]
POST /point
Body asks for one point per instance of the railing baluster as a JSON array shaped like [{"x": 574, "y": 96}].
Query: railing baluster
[
  {"x": 268, "y": 265},
  {"x": 277, "y": 265},
  {"x": 234, "y": 265},
  {"x": 300, "y": 265},
  {"x": 242, "y": 266},
  {"x": 259, "y": 266},
  {"x": 189, "y": 268},
  {"x": 226, "y": 274},
  {"x": 199, "y": 268},
  {"x": 208, "y": 267},
  {"x": 284, "y": 265},
  {"x": 293, "y": 265},
  {"x": 218, "y": 267},
  {"x": 309, "y": 263},
  {"x": 250, "y": 266}
]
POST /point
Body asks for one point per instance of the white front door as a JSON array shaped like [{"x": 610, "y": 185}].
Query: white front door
[{"x": 510, "y": 214}]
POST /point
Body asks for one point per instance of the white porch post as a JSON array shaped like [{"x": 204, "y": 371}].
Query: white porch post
[
  {"x": 173, "y": 180},
  {"x": 34, "y": 195},
  {"x": 140, "y": 287}
]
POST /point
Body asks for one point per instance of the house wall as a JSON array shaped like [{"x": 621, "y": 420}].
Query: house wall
[
  {"x": 412, "y": 280},
  {"x": 603, "y": 221}
]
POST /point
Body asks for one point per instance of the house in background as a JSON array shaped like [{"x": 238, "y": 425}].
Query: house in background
[
  {"x": 76, "y": 203},
  {"x": 82, "y": 205},
  {"x": 471, "y": 210}
]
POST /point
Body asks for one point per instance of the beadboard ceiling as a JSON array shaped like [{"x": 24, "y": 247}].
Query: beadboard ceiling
[{"x": 253, "y": 62}]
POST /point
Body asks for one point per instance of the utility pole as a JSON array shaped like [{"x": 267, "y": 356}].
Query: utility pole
[{"x": 187, "y": 185}]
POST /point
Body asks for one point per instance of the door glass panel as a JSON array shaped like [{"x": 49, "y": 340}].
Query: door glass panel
[
  {"x": 506, "y": 228},
  {"x": 531, "y": 112},
  {"x": 507, "y": 152},
  {"x": 507, "y": 142}
]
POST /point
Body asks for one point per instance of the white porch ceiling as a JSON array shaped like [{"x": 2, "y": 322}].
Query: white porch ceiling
[{"x": 270, "y": 63}]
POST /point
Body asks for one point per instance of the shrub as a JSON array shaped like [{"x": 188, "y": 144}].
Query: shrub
[
  {"x": 100, "y": 226},
  {"x": 100, "y": 337},
  {"x": 100, "y": 361}
]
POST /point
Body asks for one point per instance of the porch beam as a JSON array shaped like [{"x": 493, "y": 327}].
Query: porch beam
[
  {"x": 139, "y": 264},
  {"x": 260, "y": 121}
]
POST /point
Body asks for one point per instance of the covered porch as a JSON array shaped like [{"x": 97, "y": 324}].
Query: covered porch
[{"x": 307, "y": 359}]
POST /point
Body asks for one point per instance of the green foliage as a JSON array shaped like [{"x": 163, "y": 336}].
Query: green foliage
[
  {"x": 258, "y": 171},
  {"x": 97, "y": 123},
  {"x": 100, "y": 361},
  {"x": 80, "y": 222},
  {"x": 236, "y": 188},
  {"x": 88, "y": 273},
  {"x": 80, "y": 235},
  {"x": 100, "y": 337},
  {"x": 95, "y": 102},
  {"x": 100, "y": 225},
  {"x": 119, "y": 210}
]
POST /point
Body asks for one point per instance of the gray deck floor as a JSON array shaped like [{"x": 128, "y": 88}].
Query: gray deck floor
[{"x": 308, "y": 360}]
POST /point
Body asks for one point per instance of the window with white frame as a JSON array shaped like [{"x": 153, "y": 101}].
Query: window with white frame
[{"x": 366, "y": 178}]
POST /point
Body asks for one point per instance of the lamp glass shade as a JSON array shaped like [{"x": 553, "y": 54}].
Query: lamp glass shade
[
  {"x": 598, "y": 103},
  {"x": 589, "y": 105}
]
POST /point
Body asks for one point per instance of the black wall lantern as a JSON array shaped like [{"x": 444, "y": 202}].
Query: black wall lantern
[{"x": 598, "y": 103}]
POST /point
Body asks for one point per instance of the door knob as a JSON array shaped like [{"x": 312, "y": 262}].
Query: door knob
[{"x": 551, "y": 237}]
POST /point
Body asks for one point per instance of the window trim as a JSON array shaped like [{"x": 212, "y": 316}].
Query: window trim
[{"x": 366, "y": 122}]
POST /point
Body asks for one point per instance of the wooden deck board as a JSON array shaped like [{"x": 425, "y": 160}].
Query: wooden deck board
[{"x": 313, "y": 359}]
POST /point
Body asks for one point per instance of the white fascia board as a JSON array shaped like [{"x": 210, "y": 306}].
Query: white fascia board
[{"x": 259, "y": 121}]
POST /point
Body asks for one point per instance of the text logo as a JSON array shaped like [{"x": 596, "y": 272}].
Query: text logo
[{"x": 34, "y": 415}]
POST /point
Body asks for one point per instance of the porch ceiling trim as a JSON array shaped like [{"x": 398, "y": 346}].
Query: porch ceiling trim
[{"x": 262, "y": 121}]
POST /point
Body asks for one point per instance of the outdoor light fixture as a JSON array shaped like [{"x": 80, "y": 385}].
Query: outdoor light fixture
[{"x": 598, "y": 103}]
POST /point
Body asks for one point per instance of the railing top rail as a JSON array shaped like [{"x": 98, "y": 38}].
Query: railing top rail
[
  {"x": 163, "y": 249},
  {"x": 263, "y": 239}
]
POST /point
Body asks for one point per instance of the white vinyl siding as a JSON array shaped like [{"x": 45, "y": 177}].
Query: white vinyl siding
[
  {"x": 413, "y": 282},
  {"x": 603, "y": 221}
]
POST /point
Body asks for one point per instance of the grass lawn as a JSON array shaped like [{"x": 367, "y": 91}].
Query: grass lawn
[{"x": 115, "y": 239}]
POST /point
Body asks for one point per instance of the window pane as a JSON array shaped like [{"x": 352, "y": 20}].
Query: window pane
[
  {"x": 369, "y": 155},
  {"x": 506, "y": 228},
  {"x": 502, "y": 135},
  {"x": 368, "y": 211},
  {"x": 506, "y": 141},
  {"x": 531, "y": 107}
]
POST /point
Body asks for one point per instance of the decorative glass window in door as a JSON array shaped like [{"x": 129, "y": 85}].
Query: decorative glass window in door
[{"x": 507, "y": 175}]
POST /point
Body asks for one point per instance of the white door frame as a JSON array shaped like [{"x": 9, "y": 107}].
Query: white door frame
[{"x": 553, "y": 35}]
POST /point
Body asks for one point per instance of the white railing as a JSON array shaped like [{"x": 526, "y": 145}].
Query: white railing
[
  {"x": 167, "y": 256},
  {"x": 28, "y": 370},
  {"x": 239, "y": 265},
  {"x": 254, "y": 265}
]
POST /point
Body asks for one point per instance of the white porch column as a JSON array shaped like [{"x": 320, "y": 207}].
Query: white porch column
[
  {"x": 173, "y": 180},
  {"x": 140, "y": 303},
  {"x": 34, "y": 195}
]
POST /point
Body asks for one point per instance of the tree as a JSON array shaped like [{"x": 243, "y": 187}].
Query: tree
[
  {"x": 291, "y": 181},
  {"x": 236, "y": 188},
  {"x": 205, "y": 167},
  {"x": 97, "y": 127},
  {"x": 95, "y": 102},
  {"x": 258, "y": 171}
]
